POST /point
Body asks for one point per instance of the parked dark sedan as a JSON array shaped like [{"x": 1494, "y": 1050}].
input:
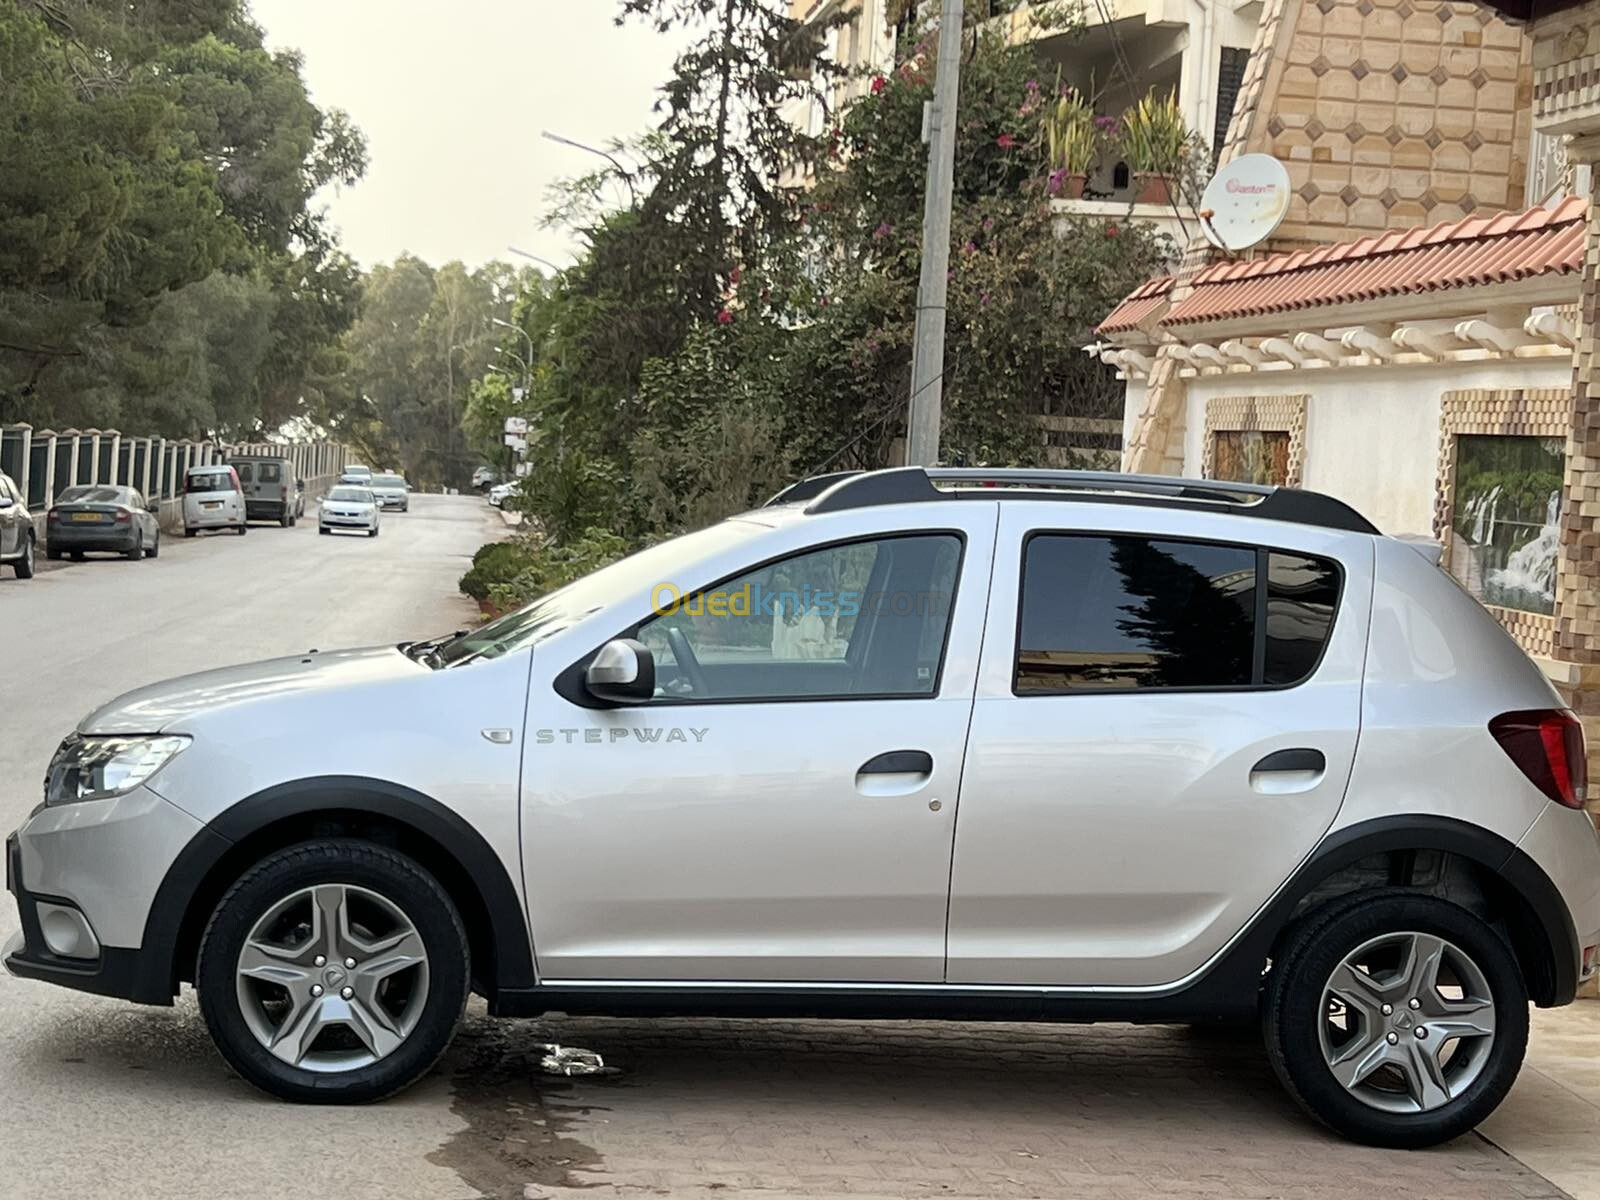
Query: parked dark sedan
[{"x": 102, "y": 517}]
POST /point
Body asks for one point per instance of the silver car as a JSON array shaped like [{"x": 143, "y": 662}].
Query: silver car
[
  {"x": 922, "y": 744},
  {"x": 392, "y": 491},
  {"x": 349, "y": 507}
]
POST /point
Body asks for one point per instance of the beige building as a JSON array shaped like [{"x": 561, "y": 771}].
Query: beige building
[{"x": 1410, "y": 337}]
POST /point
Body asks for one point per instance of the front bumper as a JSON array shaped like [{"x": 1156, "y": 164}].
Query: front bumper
[
  {"x": 105, "y": 860},
  {"x": 348, "y": 522}
]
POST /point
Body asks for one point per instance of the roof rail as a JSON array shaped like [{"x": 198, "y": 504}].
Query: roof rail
[
  {"x": 913, "y": 485},
  {"x": 808, "y": 489}
]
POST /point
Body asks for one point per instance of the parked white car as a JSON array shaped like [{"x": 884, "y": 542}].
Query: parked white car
[
  {"x": 499, "y": 493},
  {"x": 349, "y": 507},
  {"x": 1218, "y": 752},
  {"x": 213, "y": 499}
]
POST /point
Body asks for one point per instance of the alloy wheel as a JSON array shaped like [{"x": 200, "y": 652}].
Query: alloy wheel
[
  {"x": 332, "y": 978},
  {"x": 1408, "y": 1022}
]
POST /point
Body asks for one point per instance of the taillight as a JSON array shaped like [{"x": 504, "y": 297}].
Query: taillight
[
  {"x": 53, "y": 515},
  {"x": 1547, "y": 746},
  {"x": 123, "y": 516}
]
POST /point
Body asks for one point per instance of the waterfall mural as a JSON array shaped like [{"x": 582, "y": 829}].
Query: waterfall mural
[{"x": 1507, "y": 529}]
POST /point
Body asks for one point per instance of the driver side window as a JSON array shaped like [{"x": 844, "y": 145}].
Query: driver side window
[{"x": 859, "y": 619}]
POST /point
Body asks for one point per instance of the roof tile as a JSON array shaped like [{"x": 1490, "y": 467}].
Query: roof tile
[{"x": 1496, "y": 248}]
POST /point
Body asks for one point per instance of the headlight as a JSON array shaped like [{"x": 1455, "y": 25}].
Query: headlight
[{"x": 93, "y": 768}]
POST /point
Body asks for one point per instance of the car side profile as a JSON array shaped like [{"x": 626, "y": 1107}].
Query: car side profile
[
  {"x": 17, "y": 534},
  {"x": 1218, "y": 753}
]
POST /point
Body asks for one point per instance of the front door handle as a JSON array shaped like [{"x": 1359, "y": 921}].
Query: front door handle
[
  {"x": 1280, "y": 761},
  {"x": 899, "y": 762},
  {"x": 897, "y": 773}
]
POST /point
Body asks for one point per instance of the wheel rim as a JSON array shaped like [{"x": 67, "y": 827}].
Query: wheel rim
[
  {"x": 1408, "y": 1022},
  {"x": 332, "y": 978}
]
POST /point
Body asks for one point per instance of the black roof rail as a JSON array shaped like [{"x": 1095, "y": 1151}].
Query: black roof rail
[
  {"x": 913, "y": 485},
  {"x": 808, "y": 489}
]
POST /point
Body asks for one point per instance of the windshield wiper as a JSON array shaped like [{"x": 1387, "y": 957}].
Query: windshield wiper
[{"x": 427, "y": 652}]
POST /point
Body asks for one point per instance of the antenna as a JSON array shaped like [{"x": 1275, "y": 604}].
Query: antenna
[{"x": 1245, "y": 202}]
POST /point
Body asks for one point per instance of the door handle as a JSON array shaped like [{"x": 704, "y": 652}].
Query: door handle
[
  {"x": 899, "y": 762},
  {"x": 1282, "y": 761}
]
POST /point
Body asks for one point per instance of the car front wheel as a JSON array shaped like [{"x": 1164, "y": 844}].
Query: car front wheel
[
  {"x": 1397, "y": 1019},
  {"x": 334, "y": 971},
  {"x": 24, "y": 563}
]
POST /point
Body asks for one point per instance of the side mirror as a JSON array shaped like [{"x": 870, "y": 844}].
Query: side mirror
[{"x": 623, "y": 672}]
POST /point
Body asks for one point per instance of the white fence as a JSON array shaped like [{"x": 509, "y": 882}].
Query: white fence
[{"x": 44, "y": 463}]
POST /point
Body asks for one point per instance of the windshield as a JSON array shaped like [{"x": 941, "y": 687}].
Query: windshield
[
  {"x": 351, "y": 495},
  {"x": 88, "y": 494},
  {"x": 560, "y": 609}
]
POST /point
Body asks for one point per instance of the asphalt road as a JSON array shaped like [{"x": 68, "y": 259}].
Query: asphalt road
[{"x": 101, "y": 1098}]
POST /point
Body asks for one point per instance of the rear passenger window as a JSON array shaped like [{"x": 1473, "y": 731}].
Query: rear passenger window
[
  {"x": 244, "y": 473},
  {"x": 1114, "y": 613},
  {"x": 268, "y": 473}
]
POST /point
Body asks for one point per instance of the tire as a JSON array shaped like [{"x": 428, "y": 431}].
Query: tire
[
  {"x": 155, "y": 548},
  {"x": 189, "y": 533},
  {"x": 77, "y": 556},
  {"x": 1390, "y": 1105},
  {"x": 53, "y": 554},
  {"x": 244, "y": 528},
  {"x": 371, "y": 881},
  {"x": 324, "y": 530},
  {"x": 24, "y": 564},
  {"x": 373, "y": 532},
  {"x": 137, "y": 553}
]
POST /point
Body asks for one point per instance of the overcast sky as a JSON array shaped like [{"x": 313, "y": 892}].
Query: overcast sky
[{"x": 452, "y": 98}]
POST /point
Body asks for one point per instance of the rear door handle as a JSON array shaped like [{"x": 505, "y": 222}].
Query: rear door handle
[{"x": 1280, "y": 761}]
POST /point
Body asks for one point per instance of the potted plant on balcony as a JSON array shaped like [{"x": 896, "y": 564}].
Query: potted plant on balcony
[
  {"x": 1156, "y": 143},
  {"x": 1072, "y": 141}
]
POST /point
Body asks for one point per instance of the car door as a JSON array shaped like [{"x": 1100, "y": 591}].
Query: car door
[
  {"x": 10, "y": 518},
  {"x": 1164, "y": 727},
  {"x": 783, "y": 809}
]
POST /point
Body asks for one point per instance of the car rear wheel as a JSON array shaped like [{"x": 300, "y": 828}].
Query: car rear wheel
[
  {"x": 24, "y": 563},
  {"x": 334, "y": 971},
  {"x": 189, "y": 532},
  {"x": 155, "y": 547},
  {"x": 137, "y": 552},
  {"x": 1397, "y": 1019},
  {"x": 52, "y": 553}
]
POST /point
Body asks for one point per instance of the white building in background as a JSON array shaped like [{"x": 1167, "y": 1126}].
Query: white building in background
[{"x": 1124, "y": 49}]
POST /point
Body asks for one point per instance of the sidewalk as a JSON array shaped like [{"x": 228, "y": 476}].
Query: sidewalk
[{"x": 1551, "y": 1121}]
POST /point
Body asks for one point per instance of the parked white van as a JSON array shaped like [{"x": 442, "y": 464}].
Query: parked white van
[{"x": 213, "y": 499}]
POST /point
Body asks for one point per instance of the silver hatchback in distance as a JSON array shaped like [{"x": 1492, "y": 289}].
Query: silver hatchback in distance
[
  {"x": 392, "y": 491},
  {"x": 1218, "y": 753}
]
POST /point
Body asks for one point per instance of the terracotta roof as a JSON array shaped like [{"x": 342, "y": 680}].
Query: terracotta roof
[
  {"x": 1142, "y": 301},
  {"x": 1479, "y": 250}
]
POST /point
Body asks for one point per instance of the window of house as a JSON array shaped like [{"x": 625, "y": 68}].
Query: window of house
[
  {"x": 1251, "y": 456},
  {"x": 1506, "y": 519},
  {"x": 1125, "y": 613},
  {"x": 865, "y": 618}
]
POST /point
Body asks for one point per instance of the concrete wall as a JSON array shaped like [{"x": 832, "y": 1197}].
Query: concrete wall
[{"x": 1372, "y": 433}]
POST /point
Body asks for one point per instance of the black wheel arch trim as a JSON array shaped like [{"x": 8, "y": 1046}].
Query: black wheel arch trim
[
  {"x": 514, "y": 965},
  {"x": 1346, "y": 847}
]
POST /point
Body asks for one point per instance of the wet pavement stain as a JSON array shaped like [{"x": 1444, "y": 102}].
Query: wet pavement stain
[{"x": 519, "y": 1140}]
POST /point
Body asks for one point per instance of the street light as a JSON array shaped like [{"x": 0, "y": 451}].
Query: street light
[
  {"x": 543, "y": 262},
  {"x": 622, "y": 171}
]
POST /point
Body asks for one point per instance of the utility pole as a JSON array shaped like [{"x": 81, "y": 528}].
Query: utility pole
[{"x": 927, "y": 363}]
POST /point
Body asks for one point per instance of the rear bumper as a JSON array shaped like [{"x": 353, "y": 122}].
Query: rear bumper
[
  {"x": 264, "y": 510},
  {"x": 91, "y": 537},
  {"x": 1565, "y": 845},
  {"x": 204, "y": 519}
]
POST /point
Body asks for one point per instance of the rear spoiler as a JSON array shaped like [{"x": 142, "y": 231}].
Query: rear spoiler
[{"x": 1430, "y": 548}]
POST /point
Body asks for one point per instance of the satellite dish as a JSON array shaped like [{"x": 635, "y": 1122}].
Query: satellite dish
[{"x": 1245, "y": 202}]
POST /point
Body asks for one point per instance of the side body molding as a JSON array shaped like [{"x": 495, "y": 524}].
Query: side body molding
[{"x": 191, "y": 873}]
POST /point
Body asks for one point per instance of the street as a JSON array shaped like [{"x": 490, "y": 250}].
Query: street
[{"x": 106, "y": 1093}]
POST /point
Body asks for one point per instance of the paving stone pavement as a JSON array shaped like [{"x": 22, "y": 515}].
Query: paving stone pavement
[{"x": 713, "y": 1108}]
